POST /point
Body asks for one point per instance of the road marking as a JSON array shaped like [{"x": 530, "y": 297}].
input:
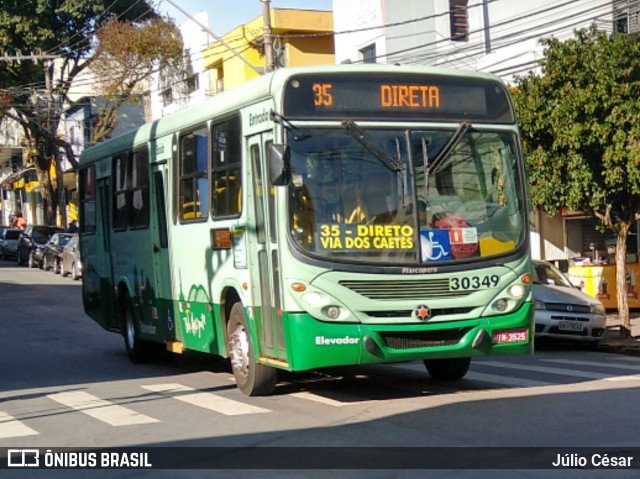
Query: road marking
[
  {"x": 11, "y": 427},
  {"x": 627, "y": 367},
  {"x": 505, "y": 380},
  {"x": 325, "y": 400},
  {"x": 544, "y": 369},
  {"x": 100, "y": 409},
  {"x": 210, "y": 401}
]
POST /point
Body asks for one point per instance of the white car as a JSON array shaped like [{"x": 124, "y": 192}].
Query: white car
[{"x": 562, "y": 310}]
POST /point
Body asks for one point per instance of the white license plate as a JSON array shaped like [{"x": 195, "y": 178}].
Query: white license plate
[{"x": 570, "y": 326}]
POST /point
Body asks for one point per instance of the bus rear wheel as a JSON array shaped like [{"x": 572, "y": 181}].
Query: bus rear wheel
[
  {"x": 447, "y": 369},
  {"x": 252, "y": 379},
  {"x": 138, "y": 350}
]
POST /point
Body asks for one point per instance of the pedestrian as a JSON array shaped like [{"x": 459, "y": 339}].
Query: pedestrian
[
  {"x": 19, "y": 221},
  {"x": 73, "y": 227}
]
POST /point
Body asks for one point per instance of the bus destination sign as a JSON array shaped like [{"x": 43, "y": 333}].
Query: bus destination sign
[{"x": 418, "y": 97}]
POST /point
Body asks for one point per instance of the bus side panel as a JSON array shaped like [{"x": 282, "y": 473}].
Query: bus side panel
[
  {"x": 199, "y": 273},
  {"x": 195, "y": 318},
  {"x": 97, "y": 282}
]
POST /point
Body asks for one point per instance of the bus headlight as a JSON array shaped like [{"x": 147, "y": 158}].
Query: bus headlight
[
  {"x": 333, "y": 312},
  {"x": 501, "y": 305},
  {"x": 516, "y": 291},
  {"x": 319, "y": 304},
  {"x": 314, "y": 299}
]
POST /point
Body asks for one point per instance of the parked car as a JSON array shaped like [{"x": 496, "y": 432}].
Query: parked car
[
  {"x": 9, "y": 242},
  {"x": 71, "y": 260},
  {"x": 32, "y": 237},
  {"x": 563, "y": 311},
  {"x": 52, "y": 251}
]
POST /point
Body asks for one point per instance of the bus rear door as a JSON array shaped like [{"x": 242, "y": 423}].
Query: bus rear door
[{"x": 162, "y": 273}]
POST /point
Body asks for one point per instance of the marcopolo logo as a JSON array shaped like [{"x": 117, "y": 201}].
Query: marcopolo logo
[{"x": 324, "y": 341}]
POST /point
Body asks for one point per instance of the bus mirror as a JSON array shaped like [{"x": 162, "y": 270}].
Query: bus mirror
[{"x": 279, "y": 165}]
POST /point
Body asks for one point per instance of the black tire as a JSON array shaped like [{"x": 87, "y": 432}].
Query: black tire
[
  {"x": 138, "y": 350},
  {"x": 447, "y": 369},
  {"x": 252, "y": 379}
]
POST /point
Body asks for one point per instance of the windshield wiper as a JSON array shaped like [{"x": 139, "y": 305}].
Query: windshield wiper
[
  {"x": 357, "y": 133},
  {"x": 451, "y": 144},
  {"x": 298, "y": 133}
]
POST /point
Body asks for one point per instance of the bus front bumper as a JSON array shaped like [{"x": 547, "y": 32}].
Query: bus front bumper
[{"x": 315, "y": 344}]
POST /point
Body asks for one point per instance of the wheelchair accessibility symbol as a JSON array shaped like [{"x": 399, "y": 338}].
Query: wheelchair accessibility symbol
[{"x": 435, "y": 245}]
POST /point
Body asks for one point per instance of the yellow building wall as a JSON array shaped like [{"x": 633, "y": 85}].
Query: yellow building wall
[
  {"x": 310, "y": 51},
  {"x": 299, "y": 51},
  {"x": 317, "y": 21}
]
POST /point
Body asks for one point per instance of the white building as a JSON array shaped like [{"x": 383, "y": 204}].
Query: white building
[
  {"x": 173, "y": 90},
  {"x": 496, "y": 36}
]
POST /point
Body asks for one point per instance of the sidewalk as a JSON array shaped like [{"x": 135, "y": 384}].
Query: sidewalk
[{"x": 612, "y": 342}]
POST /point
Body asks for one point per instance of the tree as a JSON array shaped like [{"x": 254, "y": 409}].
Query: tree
[
  {"x": 581, "y": 134},
  {"x": 68, "y": 31},
  {"x": 126, "y": 56}
]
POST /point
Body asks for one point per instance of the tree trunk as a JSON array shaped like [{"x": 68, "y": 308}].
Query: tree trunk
[
  {"x": 621, "y": 279},
  {"x": 60, "y": 196}
]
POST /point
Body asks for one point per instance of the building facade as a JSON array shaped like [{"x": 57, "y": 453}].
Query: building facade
[
  {"x": 299, "y": 38},
  {"x": 171, "y": 90}
]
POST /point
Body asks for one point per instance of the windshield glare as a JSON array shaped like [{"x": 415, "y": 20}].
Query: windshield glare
[
  {"x": 449, "y": 201},
  {"x": 544, "y": 273}
]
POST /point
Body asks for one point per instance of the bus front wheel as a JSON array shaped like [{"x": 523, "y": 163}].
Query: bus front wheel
[
  {"x": 252, "y": 379},
  {"x": 447, "y": 369}
]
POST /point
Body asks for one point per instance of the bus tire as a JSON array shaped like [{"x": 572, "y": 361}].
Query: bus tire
[
  {"x": 252, "y": 379},
  {"x": 447, "y": 369},
  {"x": 138, "y": 350}
]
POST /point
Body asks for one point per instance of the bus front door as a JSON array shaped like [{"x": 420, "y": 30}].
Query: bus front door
[{"x": 265, "y": 260}]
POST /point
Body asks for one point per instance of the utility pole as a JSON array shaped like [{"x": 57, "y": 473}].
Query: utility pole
[{"x": 268, "y": 39}]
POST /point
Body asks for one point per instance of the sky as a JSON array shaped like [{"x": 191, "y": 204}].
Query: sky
[{"x": 225, "y": 15}]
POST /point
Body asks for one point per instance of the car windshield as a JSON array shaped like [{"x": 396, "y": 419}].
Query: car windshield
[
  {"x": 12, "y": 234},
  {"x": 545, "y": 273},
  {"x": 41, "y": 236},
  {"x": 407, "y": 197}
]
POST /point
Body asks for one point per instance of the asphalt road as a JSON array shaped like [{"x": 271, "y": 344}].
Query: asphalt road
[{"x": 66, "y": 383}]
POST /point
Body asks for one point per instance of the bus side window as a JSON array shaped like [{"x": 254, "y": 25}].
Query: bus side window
[
  {"x": 226, "y": 169},
  {"x": 194, "y": 187}
]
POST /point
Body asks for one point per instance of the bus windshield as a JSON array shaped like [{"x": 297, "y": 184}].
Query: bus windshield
[{"x": 405, "y": 197}]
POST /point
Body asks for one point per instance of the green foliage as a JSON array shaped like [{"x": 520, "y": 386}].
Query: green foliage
[
  {"x": 580, "y": 127},
  {"x": 34, "y": 94}
]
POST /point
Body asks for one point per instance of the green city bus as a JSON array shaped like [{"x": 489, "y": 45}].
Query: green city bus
[{"x": 316, "y": 217}]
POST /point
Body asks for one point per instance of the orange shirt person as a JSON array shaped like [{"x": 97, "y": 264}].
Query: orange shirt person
[{"x": 19, "y": 221}]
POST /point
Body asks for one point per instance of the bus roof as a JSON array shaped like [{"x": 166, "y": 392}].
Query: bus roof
[{"x": 250, "y": 92}]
